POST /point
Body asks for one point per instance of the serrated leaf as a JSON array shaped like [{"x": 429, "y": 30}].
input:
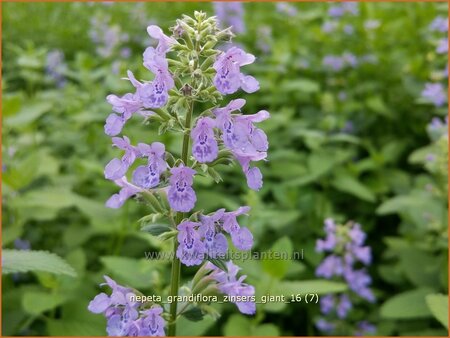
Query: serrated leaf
[
  {"x": 438, "y": 304},
  {"x": 23, "y": 261}
]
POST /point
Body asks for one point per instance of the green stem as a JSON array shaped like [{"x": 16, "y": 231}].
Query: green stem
[{"x": 176, "y": 264}]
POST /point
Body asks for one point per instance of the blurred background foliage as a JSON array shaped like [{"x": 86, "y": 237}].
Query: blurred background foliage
[{"x": 348, "y": 140}]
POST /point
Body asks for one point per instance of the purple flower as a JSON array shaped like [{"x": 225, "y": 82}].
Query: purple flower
[
  {"x": 333, "y": 62},
  {"x": 439, "y": 24},
  {"x": 229, "y": 78},
  {"x": 336, "y": 11},
  {"x": 215, "y": 243},
  {"x": 246, "y": 142},
  {"x": 348, "y": 29},
  {"x": 286, "y": 9},
  {"x": 148, "y": 176},
  {"x": 331, "y": 266},
  {"x": 181, "y": 195},
  {"x": 127, "y": 190},
  {"x": 191, "y": 250},
  {"x": 164, "y": 42},
  {"x": 124, "y": 106},
  {"x": 230, "y": 285},
  {"x": 344, "y": 306},
  {"x": 122, "y": 313},
  {"x": 117, "y": 168},
  {"x": 358, "y": 281},
  {"x": 364, "y": 328},
  {"x": 22, "y": 244},
  {"x": 230, "y": 14},
  {"x": 327, "y": 303},
  {"x": 325, "y": 326},
  {"x": 55, "y": 67},
  {"x": 152, "y": 324},
  {"x": 204, "y": 147},
  {"x": 329, "y": 26},
  {"x": 242, "y": 238},
  {"x": 442, "y": 47},
  {"x": 434, "y": 92}
]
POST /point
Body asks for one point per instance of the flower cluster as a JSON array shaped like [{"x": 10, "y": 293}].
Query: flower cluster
[
  {"x": 229, "y": 284},
  {"x": 435, "y": 93},
  {"x": 345, "y": 247},
  {"x": 199, "y": 240},
  {"x": 339, "y": 62},
  {"x": 105, "y": 36},
  {"x": 56, "y": 67},
  {"x": 231, "y": 14},
  {"x": 126, "y": 317},
  {"x": 186, "y": 69},
  {"x": 343, "y": 8}
]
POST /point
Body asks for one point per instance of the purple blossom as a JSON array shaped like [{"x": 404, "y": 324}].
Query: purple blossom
[
  {"x": 364, "y": 328},
  {"x": 215, "y": 242},
  {"x": 204, "y": 147},
  {"x": 127, "y": 190},
  {"x": 230, "y": 13},
  {"x": 344, "y": 306},
  {"x": 229, "y": 78},
  {"x": 348, "y": 29},
  {"x": 358, "y": 281},
  {"x": 325, "y": 326},
  {"x": 331, "y": 266},
  {"x": 242, "y": 238},
  {"x": 152, "y": 324},
  {"x": 439, "y": 24},
  {"x": 435, "y": 93},
  {"x": 327, "y": 304},
  {"x": 329, "y": 26},
  {"x": 117, "y": 168},
  {"x": 333, "y": 62},
  {"x": 55, "y": 67},
  {"x": 148, "y": 176},
  {"x": 246, "y": 142},
  {"x": 125, "y": 107},
  {"x": 286, "y": 9},
  {"x": 191, "y": 250},
  {"x": 181, "y": 195},
  {"x": 122, "y": 313},
  {"x": 442, "y": 47},
  {"x": 230, "y": 285},
  {"x": 164, "y": 42}
]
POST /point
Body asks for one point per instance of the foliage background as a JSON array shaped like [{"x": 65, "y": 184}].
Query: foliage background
[{"x": 342, "y": 144}]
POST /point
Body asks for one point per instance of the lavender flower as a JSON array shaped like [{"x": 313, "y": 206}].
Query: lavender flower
[
  {"x": 245, "y": 141},
  {"x": 329, "y": 26},
  {"x": 125, "y": 107},
  {"x": 230, "y": 14},
  {"x": 123, "y": 315},
  {"x": 333, "y": 62},
  {"x": 343, "y": 8},
  {"x": 127, "y": 190},
  {"x": 435, "y": 93},
  {"x": 230, "y": 285},
  {"x": 148, "y": 176},
  {"x": 241, "y": 237},
  {"x": 439, "y": 24},
  {"x": 55, "y": 67},
  {"x": 325, "y": 326},
  {"x": 190, "y": 249},
  {"x": 286, "y": 9},
  {"x": 215, "y": 242},
  {"x": 105, "y": 36},
  {"x": 442, "y": 47},
  {"x": 181, "y": 195},
  {"x": 204, "y": 147},
  {"x": 345, "y": 245},
  {"x": 364, "y": 328},
  {"x": 229, "y": 78},
  {"x": 117, "y": 168}
]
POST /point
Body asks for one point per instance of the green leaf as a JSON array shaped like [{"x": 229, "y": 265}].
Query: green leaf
[
  {"x": 28, "y": 114},
  {"x": 156, "y": 229},
  {"x": 37, "y": 302},
  {"x": 438, "y": 304},
  {"x": 24, "y": 261},
  {"x": 237, "y": 325},
  {"x": 398, "y": 204},
  {"x": 186, "y": 327},
  {"x": 220, "y": 263},
  {"x": 301, "y": 85},
  {"x": 321, "y": 287},
  {"x": 194, "y": 315},
  {"x": 407, "y": 305},
  {"x": 266, "y": 330},
  {"x": 278, "y": 267},
  {"x": 145, "y": 272},
  {"x": 347, "y": 183}
]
